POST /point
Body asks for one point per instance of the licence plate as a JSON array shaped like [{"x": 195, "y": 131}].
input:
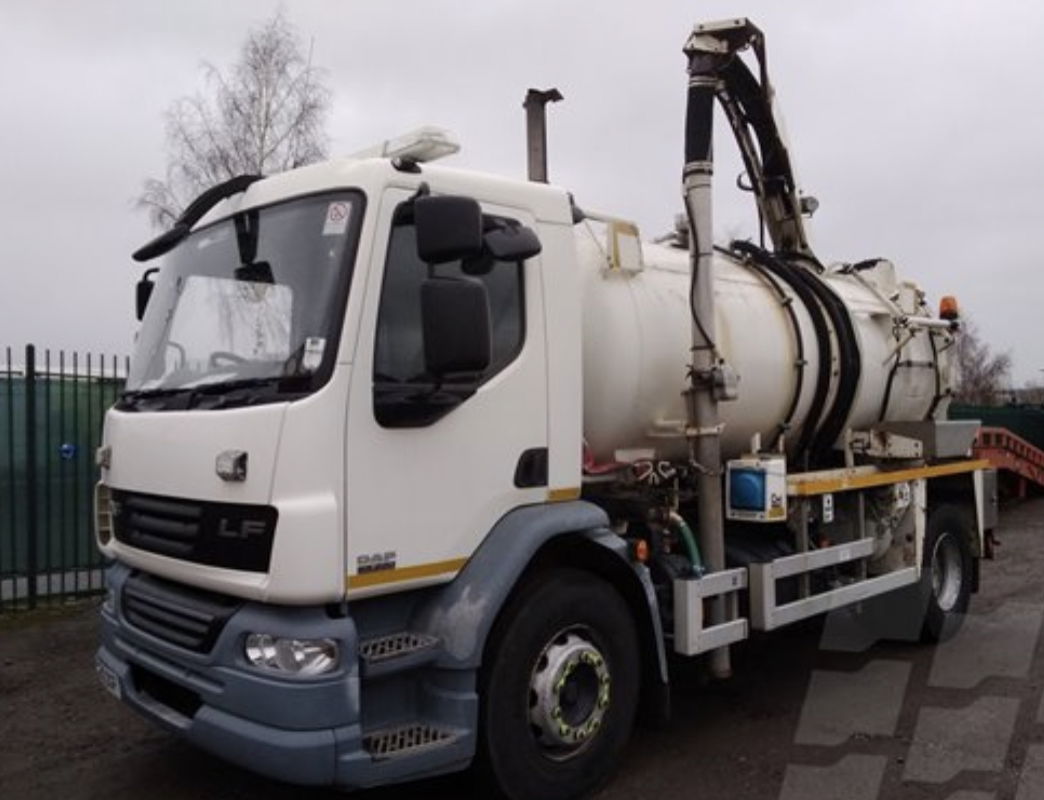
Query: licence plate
[{"x": 108, "y": 679}]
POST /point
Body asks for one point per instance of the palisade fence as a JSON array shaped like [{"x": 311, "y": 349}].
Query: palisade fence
[{"x": 51, "y": 408}]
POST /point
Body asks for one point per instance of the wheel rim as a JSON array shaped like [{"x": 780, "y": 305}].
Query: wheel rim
[
  {"x": 568, "y": 694},
  {"x": 946, "y": 571}
]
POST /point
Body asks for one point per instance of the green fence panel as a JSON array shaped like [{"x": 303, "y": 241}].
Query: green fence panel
[{"x": 52, "y": 404}]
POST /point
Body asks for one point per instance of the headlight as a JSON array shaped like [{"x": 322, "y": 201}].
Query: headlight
[{"x": 293, "y": 656}]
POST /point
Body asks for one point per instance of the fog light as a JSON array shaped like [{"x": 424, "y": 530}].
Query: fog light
[{"x": 294, "y": 656}]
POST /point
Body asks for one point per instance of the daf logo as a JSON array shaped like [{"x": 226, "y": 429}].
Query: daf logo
[{"x": 375, "y": 562}]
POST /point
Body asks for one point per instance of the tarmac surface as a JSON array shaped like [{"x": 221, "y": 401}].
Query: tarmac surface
[{"x": 820, "y": 711}]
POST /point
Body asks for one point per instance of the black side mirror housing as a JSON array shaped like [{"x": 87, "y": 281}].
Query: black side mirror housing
[
  {"x": 448, "y": 228},
  {"x": 512, "y": 243},
  {"x": 143, "y": 291},
  {"x": 456, "y": 322}
]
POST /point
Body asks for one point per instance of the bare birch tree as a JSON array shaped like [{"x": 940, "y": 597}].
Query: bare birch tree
[
  {"x": 982, "y": 375},
  {"x": 1032, "y": 393},
  {"x": 265, "y": 114}
]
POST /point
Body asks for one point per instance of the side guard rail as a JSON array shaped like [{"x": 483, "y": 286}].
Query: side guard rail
[
  {"x": 766, "y": 615},
  {"x": 690, "y": 637}
]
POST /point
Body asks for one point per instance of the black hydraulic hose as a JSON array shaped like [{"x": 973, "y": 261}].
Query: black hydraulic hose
[
  {"x": 866, "y": 263},
  {"x": 786, "y": 301},
  {"x": 699, "y": 111},
  {"x": 699, "y": 160},
  {"x": 758, "y": 114},
  {"x": 938, "y": 377},
  {"x": 708, "y": 341},
  {"x": 788, "y": 274},
  {"x": 849, "y": 361},
  {"x": 933, "y": 365},
  {"x": 888, "y": 386},
  {"x": 891, "y": 378},
  {"x": 808, "y": 258},
  {"x": 751, "y": 106}
]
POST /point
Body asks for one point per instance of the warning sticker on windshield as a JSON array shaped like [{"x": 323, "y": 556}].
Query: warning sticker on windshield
[{"x": 337, "y": 214}]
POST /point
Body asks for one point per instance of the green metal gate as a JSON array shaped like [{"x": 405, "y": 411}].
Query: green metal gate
[{"x": 51, "y": 408}]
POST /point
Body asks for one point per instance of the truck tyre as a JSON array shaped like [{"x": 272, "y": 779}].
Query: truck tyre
[
  {"x": 946, "y": 576},
  {"x": 559, "y": 688}
]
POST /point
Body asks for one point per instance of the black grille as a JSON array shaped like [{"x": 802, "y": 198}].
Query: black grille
[
  {"x": 171, "y": 527},
  {"x": 228, "y": 535},
  {"x": 188, "y": 618}
]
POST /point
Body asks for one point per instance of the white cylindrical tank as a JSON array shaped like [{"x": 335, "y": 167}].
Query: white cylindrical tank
[{"x": 637, "y": 337}]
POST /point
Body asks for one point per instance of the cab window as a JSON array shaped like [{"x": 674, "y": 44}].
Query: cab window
[{"x": 404, "y": 394}]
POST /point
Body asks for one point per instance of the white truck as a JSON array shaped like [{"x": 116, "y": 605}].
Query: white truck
[{"x": 418, "y": 468}]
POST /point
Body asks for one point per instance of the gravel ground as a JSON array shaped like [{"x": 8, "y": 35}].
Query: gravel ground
[{"x": 815, "y": 712}]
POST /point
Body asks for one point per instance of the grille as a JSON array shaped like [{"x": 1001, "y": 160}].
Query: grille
[
  {"x": 169, "y": 527},
  {"x": 394, "y": 645},
  {"x": 228, "y": 535},
  {"x": 408, "y": 738},
  {"x": 184, "y": 617}
]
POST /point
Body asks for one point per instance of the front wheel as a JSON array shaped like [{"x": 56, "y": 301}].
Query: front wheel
[
  {"x": 560, "y": 688},
  {"x": 946, "y": 573}
]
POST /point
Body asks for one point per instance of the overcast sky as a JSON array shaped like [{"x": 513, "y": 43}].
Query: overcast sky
[{"x": 918, "y": 125}]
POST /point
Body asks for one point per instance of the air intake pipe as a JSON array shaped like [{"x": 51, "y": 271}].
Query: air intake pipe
[{"x": 535, "y": 105}]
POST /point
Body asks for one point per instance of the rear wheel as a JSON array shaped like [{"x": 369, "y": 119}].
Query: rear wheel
[
  {"x": 560, "y": 688},
  {"x": 946, "y": 576}
]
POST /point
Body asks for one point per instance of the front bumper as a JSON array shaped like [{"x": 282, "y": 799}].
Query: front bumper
[{"x": 299, "y": 730}]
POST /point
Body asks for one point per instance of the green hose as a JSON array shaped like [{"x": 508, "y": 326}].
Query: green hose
[{"x": 689, "y": 540}]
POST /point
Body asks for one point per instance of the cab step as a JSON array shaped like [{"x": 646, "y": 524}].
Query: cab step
[
  {"x": 407, "y": 740},
  {"x": 396, "y": 652}
]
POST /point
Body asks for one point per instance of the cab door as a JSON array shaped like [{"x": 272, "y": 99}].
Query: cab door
[{"x": 426, "y": 481}]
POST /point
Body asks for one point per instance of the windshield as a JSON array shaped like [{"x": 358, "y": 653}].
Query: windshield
[{"x": 251, "y": 300}]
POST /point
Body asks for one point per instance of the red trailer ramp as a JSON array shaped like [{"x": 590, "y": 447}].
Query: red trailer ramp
[{"x": 1008, "y": 452}]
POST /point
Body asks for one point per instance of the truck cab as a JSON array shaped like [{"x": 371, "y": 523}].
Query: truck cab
[
  {"x": 312, "y": 380},
  {"x": 316, "y": 417}
]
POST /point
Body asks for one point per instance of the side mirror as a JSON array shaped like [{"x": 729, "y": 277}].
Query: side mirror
[
  {"x": 448, "y": 228},
  {"x": 456, "y": 323},
  {"x": 144, "y": 292},
  {"x": 512, "y": 243}
]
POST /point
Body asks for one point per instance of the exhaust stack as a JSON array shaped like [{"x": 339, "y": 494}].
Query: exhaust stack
[{"x": 535, "y": 105}]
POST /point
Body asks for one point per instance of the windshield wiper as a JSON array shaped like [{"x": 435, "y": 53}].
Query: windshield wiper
[
  {"x": 169, "y": 239},
  {"x": 218, "y": 395},
  {"x": 133, "y": 398},
  {"x": 145, "y": 394},
  {"x": 220, "y": 387}
]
